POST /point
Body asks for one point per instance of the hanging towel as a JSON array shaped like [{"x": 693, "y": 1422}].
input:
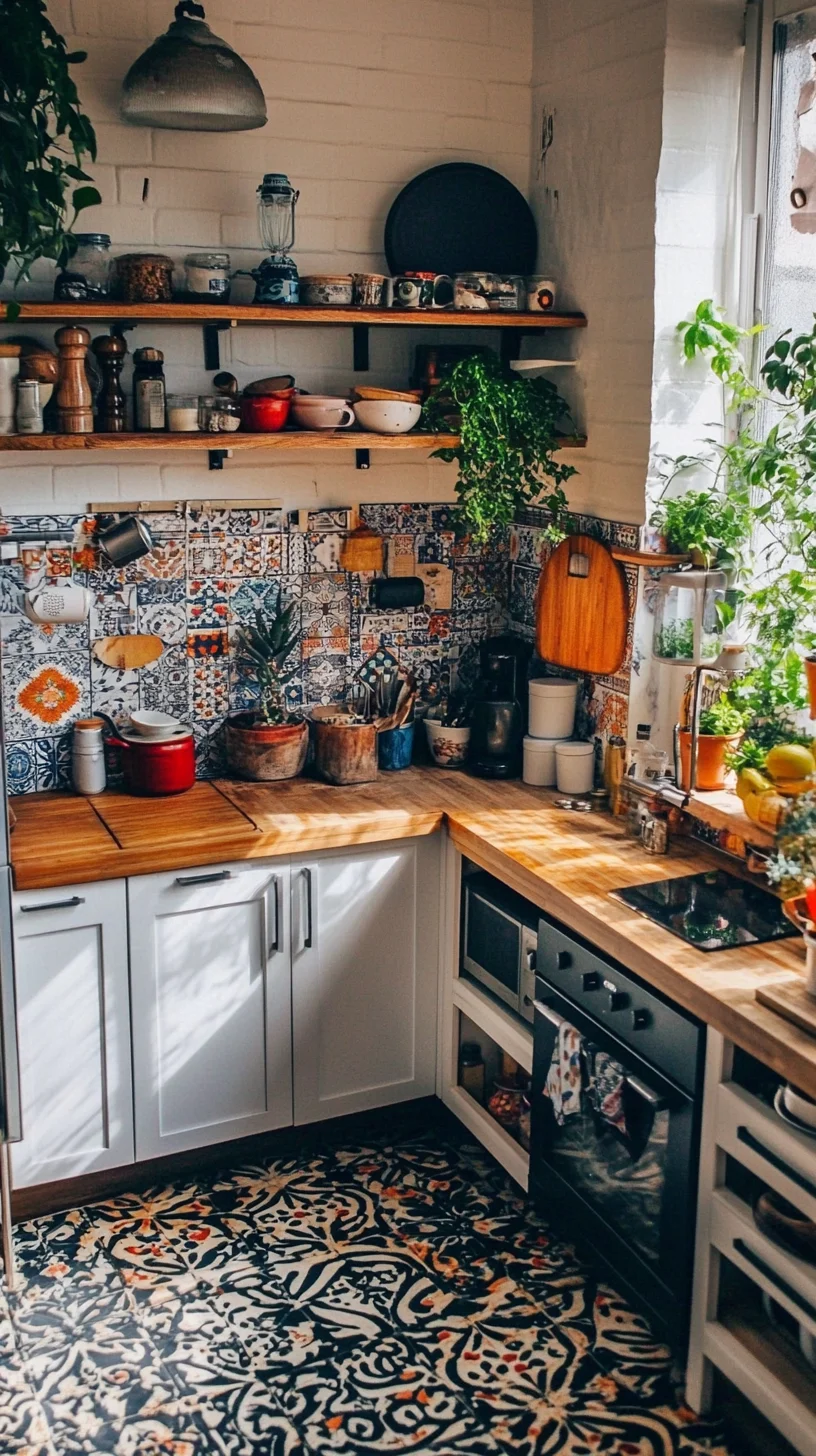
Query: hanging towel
[
  {"x": 608, "y": 1077},
  {"x": 564, "y": 1077}
]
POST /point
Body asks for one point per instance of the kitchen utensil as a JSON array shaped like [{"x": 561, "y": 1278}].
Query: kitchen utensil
[
  {"x": 458, "y": 217},
  {"x": 327, "y": 290},
  {"x": 368, "y": 391},
  {"x": 133, "y": 651},
  {"x": 500, "y": 707},
  {"x": 74, "y": 401},
  {"x": 156, "y": 766},
  {"x": 57, "y": 604},
  {"x": 370, "y": 290},
  {"x": 395, "y": 747},
  {"x": 423, "y": 290},
  {"x": 263, "y": 413},
  {"x": 278, "y": 384},
  {"x": 582, "y": 608},
  {"x": 276, "y": 278},
  {"x": 552, "y": 706},
  {"x": 29, "y": 416},
  {"x": 387, "y": 416},
  {"x": 345, "y": 752},
  {"x": 88, "y": 773},
  {"x": 358, "y": 699},
  {"x": 321, "y": 412},
  {"x": 153, "y": 724},
  {"x": 110, "y": 350},
  {"x": 125, "y": 541}
]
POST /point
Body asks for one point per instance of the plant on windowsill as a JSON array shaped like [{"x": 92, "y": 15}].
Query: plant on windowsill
[
  {"x": 270, "y": 743},
  {"x": 39, "y": 113},
  {"x": 508, "y": 427},
  {"x": 721, "y": 726}
]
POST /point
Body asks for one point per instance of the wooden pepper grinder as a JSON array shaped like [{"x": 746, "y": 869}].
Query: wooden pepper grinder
[
  {"x": 74, "y": 399},
  {"x": 110, "y": 350}
]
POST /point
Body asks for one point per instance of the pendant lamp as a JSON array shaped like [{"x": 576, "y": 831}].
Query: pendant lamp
[{"x": 190, "y": 80}]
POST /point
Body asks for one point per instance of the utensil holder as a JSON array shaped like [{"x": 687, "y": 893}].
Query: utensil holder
[{"x": 395, "y": 747}]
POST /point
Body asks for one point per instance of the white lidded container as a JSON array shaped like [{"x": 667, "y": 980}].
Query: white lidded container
[
  {"x": 574, "y": 767},
  {"x": 552, "y": 706},
  {"x": 9, "y": 372},
  {"x": 88, "y": 756},
  {"x": 539, "y": 761}
]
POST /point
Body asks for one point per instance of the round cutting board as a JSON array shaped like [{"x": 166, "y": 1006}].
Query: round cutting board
[
  {"x": 582, "y": 608},
  {"x": 458, "y": 218}
]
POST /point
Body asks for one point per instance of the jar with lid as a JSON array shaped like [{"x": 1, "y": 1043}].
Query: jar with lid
[
  {"x": 29, "y": 407},
  {"x": 88, "y": 756},
  {"x": 219, "y": 413},
  {"x": 207, "y": 277},
  {"x": 88, "y": 272},
  {"x": 9, "y": 372},
  {"x": 182, "y": 413},
  {"x": 472, "y": 1070},
  {"x": 148, "y": 390},
  {"x": 144, "y": 278}
]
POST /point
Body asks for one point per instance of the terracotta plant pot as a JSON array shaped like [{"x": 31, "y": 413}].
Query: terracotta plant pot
[
  {"x": 345, "y": 752},
  {"x": 711, "y": 751},
  {"x": 264, "y": 752},
  {"x": 810, "y": 674}
]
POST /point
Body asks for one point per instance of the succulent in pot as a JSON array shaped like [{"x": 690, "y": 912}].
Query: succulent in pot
[{"x": 270, "y": 743}]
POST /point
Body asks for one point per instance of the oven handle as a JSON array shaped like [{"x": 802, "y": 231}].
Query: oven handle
[
  {"x": 655, "y": 1101},
  {"x": 549, "y": 1015}
]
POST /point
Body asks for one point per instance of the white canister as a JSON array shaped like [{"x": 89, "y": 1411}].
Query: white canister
[
  {"x": 88, "y": 756},
  {"x": 552, "y": 706},
  {"x": 574, "y": 767},
  {"x": 539, "y": 761},
  {"x": 9, "y": 371}
]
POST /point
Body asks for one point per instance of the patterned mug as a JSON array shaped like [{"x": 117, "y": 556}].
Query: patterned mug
[{"x": 423, "y": 290}]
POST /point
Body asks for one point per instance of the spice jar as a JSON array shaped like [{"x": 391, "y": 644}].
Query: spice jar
[
  {"x": 89, "y": 270},
  {"x": 219, "y": 413},
  {"x": 148, "y": 389},
  {"x": 505, "y": 1104},
  {"x": 207, "y": 277},
  {"x": 88, "y": 756},
  {"x": 472, "y": 1070},
  {"x": 144, "y": 278},
  {"x": 29, "y": 407},
  {"x": 182, "y": 413}
]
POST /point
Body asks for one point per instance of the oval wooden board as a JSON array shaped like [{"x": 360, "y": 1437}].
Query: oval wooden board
[
  {"x": 137, "y": 650},
  {"x": 581, "y": 621}
]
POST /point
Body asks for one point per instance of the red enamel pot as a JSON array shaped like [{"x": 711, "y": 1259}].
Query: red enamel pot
[
  {"x": 265, "y": 413},
  {"x": 156, "y": 765}
]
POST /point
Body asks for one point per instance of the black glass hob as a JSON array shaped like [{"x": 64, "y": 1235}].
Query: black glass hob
[{"x": 712, "y": 911}]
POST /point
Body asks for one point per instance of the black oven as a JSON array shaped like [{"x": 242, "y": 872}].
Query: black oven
[{"x": 617, "y": 1086}]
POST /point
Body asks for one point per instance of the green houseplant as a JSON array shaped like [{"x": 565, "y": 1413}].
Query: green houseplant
[
  {"x": 508, "y": 426},
  {"x": 269, "y": 743},
  {"x": 45, "y": 137},
  {"x": 713, "y": 528},
  {"x": 721, "y": 726}
]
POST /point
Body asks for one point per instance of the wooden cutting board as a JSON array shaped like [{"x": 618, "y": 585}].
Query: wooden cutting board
[
  {"x": 582, "y": 608},
  {"x": 791, "y": 1000}
]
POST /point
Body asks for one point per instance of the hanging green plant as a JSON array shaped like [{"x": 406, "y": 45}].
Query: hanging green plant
[
  {"x": 508, "y": 427},
  {"x": 45, "y": 137}
]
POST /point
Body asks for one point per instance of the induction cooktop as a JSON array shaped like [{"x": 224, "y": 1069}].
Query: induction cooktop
[{"x": 712, "y": 911}]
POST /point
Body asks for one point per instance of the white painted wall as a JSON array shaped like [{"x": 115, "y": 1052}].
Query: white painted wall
[{"x": 360, "y": 98}]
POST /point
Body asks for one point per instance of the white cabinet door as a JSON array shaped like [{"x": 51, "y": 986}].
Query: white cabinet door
[
  {"x": 365, "y": 945},
  {"x": 210, "y": 1005},
  {"x": 74, "y": 1031}
]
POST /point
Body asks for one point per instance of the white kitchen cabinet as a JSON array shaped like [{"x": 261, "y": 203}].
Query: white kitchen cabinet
[
  {"x": 210, "y": 1005},
  {"x": 365, "y": 942},
  {"x": 74, "y": 1031}
]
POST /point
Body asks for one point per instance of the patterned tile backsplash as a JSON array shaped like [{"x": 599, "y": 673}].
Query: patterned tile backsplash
[{"x": 210, "y": 570}]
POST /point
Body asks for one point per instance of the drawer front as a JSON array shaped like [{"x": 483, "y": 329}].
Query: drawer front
[{"x": 754, "y": 1135}]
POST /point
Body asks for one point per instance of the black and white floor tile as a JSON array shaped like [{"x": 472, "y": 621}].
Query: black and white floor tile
[{"x": 367, "y": 1298}]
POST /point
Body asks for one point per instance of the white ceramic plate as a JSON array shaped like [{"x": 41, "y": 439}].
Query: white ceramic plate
[
  {"x": 781, "y": 1110},
  {"x": 529, "y": 366}
]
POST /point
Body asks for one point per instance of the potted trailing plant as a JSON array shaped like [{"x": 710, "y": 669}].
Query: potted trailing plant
[
  {"x": 45, "y": 136},
  {"x": 508, "y": 428},
  {"x": 269, "y": 743},
  {"x": 712, "y": 528},
  {"x": 721, "y": 727}
]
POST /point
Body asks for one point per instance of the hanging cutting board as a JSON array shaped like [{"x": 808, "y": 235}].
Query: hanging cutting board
[
  {"x": 582, "y": 608},
  {"x": 137, "y": 650}
]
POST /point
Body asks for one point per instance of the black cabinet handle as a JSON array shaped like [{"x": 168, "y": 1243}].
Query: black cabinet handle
[
  {"x": 306, "y": 876},
  {"x": 744, "y": 1135},
  {"x": 204, "y": 879},
  {"x": 54, "y": 905}
]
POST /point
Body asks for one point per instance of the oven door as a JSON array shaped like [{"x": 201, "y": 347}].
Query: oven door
[
  {"x": 491, "y": 946},
  {"x": 613, "y": 1146}
]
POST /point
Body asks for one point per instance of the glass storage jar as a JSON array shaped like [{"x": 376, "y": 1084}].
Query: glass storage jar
[
  {"x": 144, "y": 278},
  {"x": 88, "y": 272},
  {"x": 219, "y": 413},
  {"x": 207, "y": 277},
  {"x": 182, "y": 413},
  {"x": 687, "y": 627}
]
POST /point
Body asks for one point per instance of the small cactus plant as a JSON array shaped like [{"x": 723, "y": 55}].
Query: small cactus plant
[{"x": 263, "y": 649}]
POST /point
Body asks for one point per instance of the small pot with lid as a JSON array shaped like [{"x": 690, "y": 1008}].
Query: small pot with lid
[{"x": 154, "y": 766}]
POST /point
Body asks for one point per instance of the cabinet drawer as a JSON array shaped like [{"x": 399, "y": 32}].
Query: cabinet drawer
[{"x": 757, "y": 1138}]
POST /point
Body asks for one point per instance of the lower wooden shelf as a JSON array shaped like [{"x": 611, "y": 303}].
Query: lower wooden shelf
[
  {"x": 490, "y": 1134},
  {"x": 285, "y": 440}
]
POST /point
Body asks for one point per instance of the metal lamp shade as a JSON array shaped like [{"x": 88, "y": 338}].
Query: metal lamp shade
[{"x": 190, "y": 80}]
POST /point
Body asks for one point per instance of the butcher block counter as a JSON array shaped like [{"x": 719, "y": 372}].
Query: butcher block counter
[{"x": 566, "y": 863}]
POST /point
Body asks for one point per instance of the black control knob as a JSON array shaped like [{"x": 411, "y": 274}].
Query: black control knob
[
  {"x": 590, "y": 981},
  {"x": 618, "y": 1000},
  {"x": 563, "y": 960},
  {"x": 640, "y": 1019}
]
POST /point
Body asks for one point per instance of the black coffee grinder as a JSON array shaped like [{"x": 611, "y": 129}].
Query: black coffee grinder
[{"x": 500, "y": 708}]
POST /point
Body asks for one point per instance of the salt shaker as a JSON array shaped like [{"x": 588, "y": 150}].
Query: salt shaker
[
  {"x": 29, "y": 407},
  {"x": 88, "y": 756}
]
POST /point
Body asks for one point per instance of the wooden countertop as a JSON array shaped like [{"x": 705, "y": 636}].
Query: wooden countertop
[{"x": 567, "y": 864}]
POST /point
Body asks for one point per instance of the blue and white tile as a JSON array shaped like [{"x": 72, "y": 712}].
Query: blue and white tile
[
  {"x": 260, "y": 594},
  {"x": 21, "y": 771},
  {"x": 207, "y": 601},
  {"x": 164, "y": 685},
  {"x": 43, "y": 694},
  {"x": 22, "y": 638},
  {"x": 210, "y": 755},
  {"x": 113, "y": 613},
  {"x": 114, "y": 691},
  {"x": 52, "y": 760}
]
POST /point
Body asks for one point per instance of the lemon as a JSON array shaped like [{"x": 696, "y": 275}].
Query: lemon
[{"x": 790, "y": 761}]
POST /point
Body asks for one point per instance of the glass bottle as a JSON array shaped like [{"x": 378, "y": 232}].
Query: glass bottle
[{"x": 148, "y": 390}]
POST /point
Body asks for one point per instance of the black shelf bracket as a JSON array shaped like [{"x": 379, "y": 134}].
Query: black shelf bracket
[
  {"x": 216, "y": 458},
  {"x": 510, "y": 345},
  {"x": 212, "y": 347},
  {"x": 360, "y": 335},
  {"x": 362, "y": 459}
]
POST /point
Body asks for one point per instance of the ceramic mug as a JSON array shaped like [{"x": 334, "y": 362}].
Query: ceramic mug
[
  {"x": 423, "y": 290},
  {"x": 540, "y": 293},
  {"x": 369, "y": 290},
  {"x": 126, "y": 540}
]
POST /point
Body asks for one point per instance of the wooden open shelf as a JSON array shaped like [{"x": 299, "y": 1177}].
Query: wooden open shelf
[
  {"x": 238, "y": 440},
  {"x": 230, "y": 315}
]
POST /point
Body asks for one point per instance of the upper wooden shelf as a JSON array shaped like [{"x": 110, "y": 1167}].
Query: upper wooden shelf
[
  {"x": 238, "y": 440},
  {"x": 248, "y": 313}
]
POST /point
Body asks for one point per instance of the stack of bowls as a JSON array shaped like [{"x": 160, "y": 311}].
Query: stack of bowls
[{"x": 552, "y": 719}]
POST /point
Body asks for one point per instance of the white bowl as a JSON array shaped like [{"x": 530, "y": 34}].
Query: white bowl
[
  {"x": 153, "y": 724},
  {"x": 448, "y": 746},
  {"x": 387, "y": 416},
  {"x": 322, "y": 412},
  {"x": 799, "y": 1105}
]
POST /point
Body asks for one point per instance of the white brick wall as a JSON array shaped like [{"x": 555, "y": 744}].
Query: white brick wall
[{"x": 360, "y": 98}]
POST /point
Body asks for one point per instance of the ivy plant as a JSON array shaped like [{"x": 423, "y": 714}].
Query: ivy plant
[
  {"x": 508, "y": 426},
  {"x": 45, "y": 137}
]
